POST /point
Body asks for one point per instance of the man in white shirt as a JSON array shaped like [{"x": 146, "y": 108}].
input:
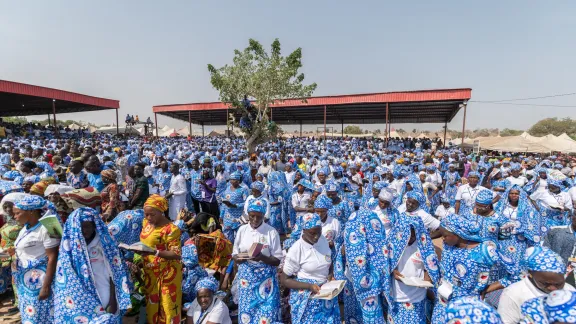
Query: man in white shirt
[
  {"x": 289, "y": 173},
  {"x": 300, "y": 201},
  {"x": 545, "y": 274},
  {"x": 412, "y": 208},
  {"x": 177, "y": 193}
]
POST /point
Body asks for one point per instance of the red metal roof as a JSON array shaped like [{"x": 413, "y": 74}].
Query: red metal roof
[
  {"x": 19, "y": 99},
  {"x": 384, "y": 97}
]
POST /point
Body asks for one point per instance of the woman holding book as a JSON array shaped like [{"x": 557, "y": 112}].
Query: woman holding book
[
  {"x": 162, "y": 268},
  {"x": 36, "y": 257},
  {"x": 99, "y": 292},
  {"x": 307, "y": 266},
  {"x": 233, "y": 199},
  {"x": 259, "y": 294},
  {"x": 411, "y": 256}
]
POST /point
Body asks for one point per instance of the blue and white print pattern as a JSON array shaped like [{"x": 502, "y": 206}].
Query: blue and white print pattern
[{"x": 258, "y": 294}]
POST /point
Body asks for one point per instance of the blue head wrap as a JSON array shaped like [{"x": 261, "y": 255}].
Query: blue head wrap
[
  {"x": 543, "y": 259},
  {"x": 7, "y": 187},
  {"x": 207, "y": 283},
  {"x": 306, "y": 184},
  {"x": 555, "y": 182},
  {"x": 485, "y": 197},
  {"x": 323, "y": 202},
  {"x": 558, "y": 306},
  {"x": 258, "y": 185},
  {"x": 30, "y": 202},
  {"x": 462, "y": 227},
  {"x": 331, "y": 187},
  {"x": 258, "y": 206},
  {"x": 321, "y": 171},
  {"x": 311, "y": 220},
  {"x": 431, "y": 167},
  {"x": 473, "y": 174},
  {"x": 11, "y": 175},
  {"x": 413, "y": 194},
  {"x": 32, "y": 179},
  {"x": 379, "y": 185},
  {"x": 236, "y": 176},
  {"x": 515, "y": 167},
  {"x": 471, "y": 310}
]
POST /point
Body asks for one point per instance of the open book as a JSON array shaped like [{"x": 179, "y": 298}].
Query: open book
[
  {"x": 416, "y": 282},
  {"x": 330, "y": 290},
  {"x": 255, "y": 249},
  {"x": 136, "y": 247},
  {"x": 52, "y": 225}
]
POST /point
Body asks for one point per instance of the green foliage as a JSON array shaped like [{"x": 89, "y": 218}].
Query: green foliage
[
  {"x": 510, "y": 132},
  {"x": 553, "y": 126},
  {"x": 377, "y": 132},
  {"x": 352, "y": 129},
  {"x": 400, "y": 131},
  {"x": 265, "y": 77},
  {"x": 15, "y": 120}
]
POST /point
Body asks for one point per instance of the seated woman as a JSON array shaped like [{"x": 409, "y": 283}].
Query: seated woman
[
  {"x": 556, "y": 307},
  {"x": 307, "y": 266},
  {"x": 102, "y": 286},
  {"x": 36, "y": 258},
  {"x": 206, "y": 308}
]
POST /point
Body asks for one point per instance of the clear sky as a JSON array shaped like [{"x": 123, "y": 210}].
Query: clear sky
[{"x": 147, "y": 53}]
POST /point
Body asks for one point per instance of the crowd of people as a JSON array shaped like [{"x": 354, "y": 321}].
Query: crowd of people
[{"x": 173, "y": 229}]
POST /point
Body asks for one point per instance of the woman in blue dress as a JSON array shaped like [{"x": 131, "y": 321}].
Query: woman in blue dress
[
  {"x": 277, "y": 199},
  {"x": 556, "y": 307},
  {"x": 92, "y": 283},
  {"x": 258, "y": 290},
  {"x": 411, "y": 253},
  {"x": 232, "y": 206},
  {"x": 364, "y": 243},
  {"x": 465, "y": 264},
  {"x": 340, "y": 209},
  {"x": 467, "y": 309},
  {"x": 307, "y": 266},
  {"x": 192, "y": 272},
  {"x": 450, "y": 184},
  {"x": 35, "y": 265}
]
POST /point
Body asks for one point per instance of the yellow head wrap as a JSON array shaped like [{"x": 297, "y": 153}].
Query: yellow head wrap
[{"x": 157, "y": 202}]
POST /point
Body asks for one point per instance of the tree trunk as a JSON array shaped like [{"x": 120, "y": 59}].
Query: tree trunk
[{"x": 252, "y": 142}]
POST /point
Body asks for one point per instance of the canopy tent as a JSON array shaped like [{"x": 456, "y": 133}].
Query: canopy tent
[
  {"x": 558, "y": 144},
  {"x": 113, "y": 130},
  {"x": 74, "y": 126},
  {"x": 183, "y": 131},
  {"x": 530, "y": 137},
  {"x": 514, "y": 144},
  {"x": 565, "y": 137}
]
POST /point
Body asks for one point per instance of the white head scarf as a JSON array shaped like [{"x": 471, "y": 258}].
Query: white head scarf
[{"x": 11, "y": 197}]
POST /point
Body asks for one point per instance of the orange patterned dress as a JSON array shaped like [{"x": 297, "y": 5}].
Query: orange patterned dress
[{"x": 162, "y": 278}]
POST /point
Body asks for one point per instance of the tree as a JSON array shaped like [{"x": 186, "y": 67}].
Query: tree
[
  {"x": 553, "y": 126},
  {"x": 15, "y": 120},
  {"x": 352, "y": 129},
  {"x": 256, "y": 80},
  {"x": 400, "y": 131},
  {"x": 377, "y": 132},
  {"x": 510, "y": 132},
  {"x": 366, "y": 131}
]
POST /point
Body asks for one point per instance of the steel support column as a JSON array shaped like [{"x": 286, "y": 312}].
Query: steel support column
[
  {"x": 463, "y": 126},
  {"x": 342, "y": 134},
  {"x": 300, "y": 128},
  {"x": 386, "y": 130},
  {"x": 117, "y": 124},
  {"x": 202, "y": 129},
  {"x": 156, "y": 123},
  {"x": 324, "y": 122},
  {"x": 190, "y": 122},
  {"x": 54, "y": 110},
  {"x": 49, "y": 120},
  {"x": 445, "y": 130}
]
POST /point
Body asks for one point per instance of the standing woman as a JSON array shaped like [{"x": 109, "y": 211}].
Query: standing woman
[
  {"x": 233, "y": 200},
  {"x": 307, "y": 266},
  {"x": 110, "y": 195},
  {"x": 278, "y": 208},
  {"x": 35, "y": 266},
  {"x": 162, "y": 269},
  {"x": 100, "y": 289},
  {"x": 209, "y": 187},
  {"x": 450, "y": 184},
  {"x": 259, "y": 294}
]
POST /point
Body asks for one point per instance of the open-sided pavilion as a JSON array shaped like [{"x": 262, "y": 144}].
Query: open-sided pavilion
[{"x": 423, "y": 106}]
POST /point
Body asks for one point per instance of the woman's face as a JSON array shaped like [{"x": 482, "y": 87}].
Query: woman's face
[
  {"x": 513, "y": 195},
  {"x": 297, "y": 176},
  {"x": 23, "y": 216},
  {"x": 375, "y": 192},
  {"x": 153, "y": 215},
  {"x": 322, "y": 177},
  {"x": 205, "y": 297},
  {"x": 234, "y": 183},
  {"x": 450, "y": 238},
  {"x": 88, "y": 229},
  {"x": 383, "y": 204},
  {"x": 322, "y": 212},
  {"x": 9, "y": 208},
  {"x": 312, "y": 235},
  {"x": 256, "y": 192},
  {"x": 473, "y": 181},
  {"x": 255, "y": 219},
  {"x": 483, "y": 209},
  {"x": 260, "y": 178},
  {"x": 412, "y": 204},
  {"x": 408, "y": 186}
]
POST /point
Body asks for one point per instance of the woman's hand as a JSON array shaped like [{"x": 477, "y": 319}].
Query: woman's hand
[
  {"x": 397, "y": 275},
  {"x": 44, "y": 293},
  {"x": 238, "y": 260},
  {"x": 427, "y": 277},
  {"x": 314, "y": 289}
]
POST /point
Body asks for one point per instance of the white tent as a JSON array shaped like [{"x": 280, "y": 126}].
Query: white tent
[
  {"x": 394, "y": 134},
  {"x": 565, "y": 137},
  {"x": 74, "y": 126},
  {"x": 514, "y": 144},
  {"x": 530, "y": 137},
  {"x": 183, "y": 131},
  {"x": 112, "y": 130},
  {"x": 164, "y": 129},
  {"x": 558, "y": 144},
  {"x": 167, "y": 132}
]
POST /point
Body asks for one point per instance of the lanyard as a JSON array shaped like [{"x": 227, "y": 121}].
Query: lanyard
[
  {"x": 28, "y": 231},
  {"x": 203, "y": 314}
]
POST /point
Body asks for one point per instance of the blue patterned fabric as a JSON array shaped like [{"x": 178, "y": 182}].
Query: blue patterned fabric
[
  {"x": 7, "y": 187},
  {"x": 304, "y": 309},
  {"x": 207, "y": 283},
  {"x": 77, "y": 181},
  {"x": 258, "y": 185},
  {"x": 451, "y": 189},
  {"x": 543, "y": 259},
  {"x": 126, "y": 226},
  {"x": 257, "y": 206},
  {"x": 192, "y": 273},
  {"x": 258, "y": 294},
  {"x": 462, "y": 227},
  {"x": 29, "y": 279},
  {"x": 411, "y": 313},
  {"x": 162, "y": 179},
  {"x": 364, "y": 242},
  {"x": 30, "y": 202},
  {"x": 323, "y": 202},
  {"x": 557, "y": 307},
  {"x": 75, "y": 295},
  {"x": 471, "y": 310},
  {"x": 279, "y": 197},
  {"x": 311, "y": 220},
  {"x": 231, "y": 215},
  {"x": 484, "y": 197}
]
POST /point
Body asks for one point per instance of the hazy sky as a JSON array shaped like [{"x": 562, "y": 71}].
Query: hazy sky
[{"x": 147, "y": 53}]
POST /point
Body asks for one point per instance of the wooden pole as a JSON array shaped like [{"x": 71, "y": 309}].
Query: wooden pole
[
  {"x": 445, "y": 130},
  {"x": 49, "y": 120},
  {"x": 386, "y": 130},
  {"x": 54, "y": 110},
  {"x": 190, "y": 122},
  {"x": 117, "y": 124},
  {"x": 324, "y": 122},
  {"x": 300, "y": 128}
]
